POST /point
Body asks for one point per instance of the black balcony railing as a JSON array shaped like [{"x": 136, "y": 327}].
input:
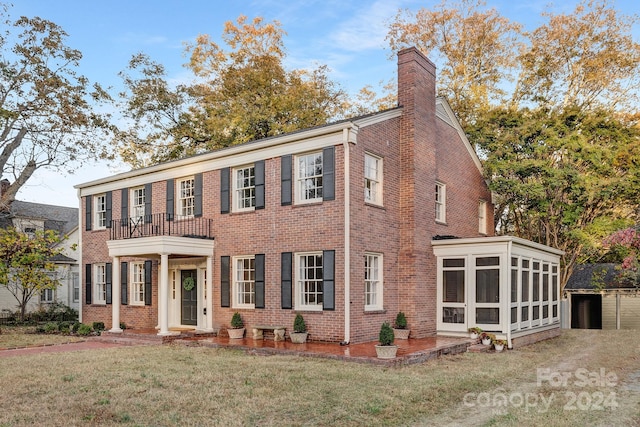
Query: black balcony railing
[{"x": 161, "y": 225}]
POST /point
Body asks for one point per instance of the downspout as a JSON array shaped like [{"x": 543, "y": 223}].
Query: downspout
[
  {"x": 508, "y": 302},
  {"x": 347, "y": 241},
  {"x": 81, "y": 277}
]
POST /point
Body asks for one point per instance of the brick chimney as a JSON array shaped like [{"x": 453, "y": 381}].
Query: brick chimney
[{"x": 417, "y": 97}]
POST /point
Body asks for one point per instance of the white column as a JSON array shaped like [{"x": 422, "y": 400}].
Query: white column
[
  {"x": 115, "y": 295},
  {"x": 209, "y": 285},
  {"x": 163, "y": 296}
]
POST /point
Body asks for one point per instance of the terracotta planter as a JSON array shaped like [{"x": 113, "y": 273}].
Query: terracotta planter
[
  {"x": 298, "y": 337},
  {"x": 386, "y": 351},
  {"x": 235, "y": 334},
  {"x": 401, "y": 334}
]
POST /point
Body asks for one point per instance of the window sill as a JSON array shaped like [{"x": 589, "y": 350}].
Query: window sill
[
  {"x": 375, "y": 311},
  {"x": 309, "y": 309},
  {"x": 441, "y": 222},
  {"x": 375, "y": 205},
  {"x": 308, "y": 202}
]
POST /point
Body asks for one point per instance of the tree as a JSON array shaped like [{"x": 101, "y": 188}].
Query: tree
[
  {"x": 240, "y": 94},
  {"x": 473, "y": 47},
  {"x": 48, "y": 115},
  {"x": 563, "y": 178},
  {"x": 626, "y": 244},
  {"x": 26, "y": 265}
]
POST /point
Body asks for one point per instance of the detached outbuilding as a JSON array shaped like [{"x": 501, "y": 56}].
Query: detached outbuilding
[{"x": 597, "y": 300}]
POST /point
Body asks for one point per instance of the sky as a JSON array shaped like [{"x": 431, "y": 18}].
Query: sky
[{"x": 346, "y": 35}]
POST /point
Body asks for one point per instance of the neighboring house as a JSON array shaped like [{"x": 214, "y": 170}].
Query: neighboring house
[
  {"x": 30, "y": 217},
  {"x": 336, "y": 222},
  {"x": 597, "y": 299}
]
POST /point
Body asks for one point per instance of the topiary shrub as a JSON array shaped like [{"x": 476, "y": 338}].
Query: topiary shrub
[
  {"x": 401, "y": 321},
  {"x": 236, "y": 321},
  {"x": 298, "y": 324},
  {"x": 51, "y": 327},
  {"x": 98, "y": 326},
  {"x": 84, "y": 330},
  {"x": 386, "y": 336}
]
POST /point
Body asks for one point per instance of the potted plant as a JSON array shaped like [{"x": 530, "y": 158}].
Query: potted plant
[
  {"x": 499, "y": 344},
  {"x": 386, "y": 349},
  {"x": 487, "y": 338},
  {"x": 237, "y": 327},
  {"x": 474, "y": 332},
  {"x": 299, "y": 334},
  {"x": 400, "y": 330}
]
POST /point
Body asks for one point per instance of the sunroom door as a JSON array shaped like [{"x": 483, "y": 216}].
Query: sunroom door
[
  {"x": 485, "y": 293},
  {"x": 453, "y": 294}
]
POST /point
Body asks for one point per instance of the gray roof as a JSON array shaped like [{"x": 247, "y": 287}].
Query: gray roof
[
  {"x": 583, "y": 275},
  {"x": 62, "y": 219}
]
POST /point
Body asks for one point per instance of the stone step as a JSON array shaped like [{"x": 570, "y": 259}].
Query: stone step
[{"x": 479, "y": 348}]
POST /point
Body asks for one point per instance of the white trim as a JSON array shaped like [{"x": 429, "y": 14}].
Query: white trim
[
  {"x": 132, "y": 268},
  {"x": 234, "y": 282},
  {"x": 95, "y": 283},
  {"x": 161, "y": 245},
  {"x": 96, "y": 225},
  {"x": 440, "y": 197},
  {"x": 136, "y": 216},
  {"x": 297, "y": 287},
  {"x": 347, "y": 234},
  {"x": 378, "y": 200},
  {"x": 235, "y": 198},
  {"x": 297, "y": 180},
  {"x": 379, "y": 305}
]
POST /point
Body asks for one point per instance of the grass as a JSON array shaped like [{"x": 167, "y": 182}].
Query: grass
[
  {"x": 25, "y": 336},
  {"x": 175, "y": 385}
]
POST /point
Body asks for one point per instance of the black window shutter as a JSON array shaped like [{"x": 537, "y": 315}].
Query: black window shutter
[
  {"x": 88, "y": 272},
  {"x": 124, "y": 210},
  {"x": 328, "y": 280},
  {"x": 109, "y": 201},
  {"x": 148, "y": 190},
  {"x": 285, "y": 180},
  {"x": 225, "y": 294},
  {"x": 286, "y": 270},
  {"x": 147, "y": 282},
  {"x": 259, "y": 182},
  {"x": 87, "y": 219},
  {"x": 170, "y": 201},
  {"x": 124, "y": 278},
  {"x": 225, "y": 181},
  {"x": 328, "y": 174},
  {"x": 108, "y": 281},
  {"x": 197, "y": 193},
  {"x": 259, "y": 266}
]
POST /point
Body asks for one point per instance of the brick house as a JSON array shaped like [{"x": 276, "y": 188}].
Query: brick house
[{"x": 299, "y": 223}]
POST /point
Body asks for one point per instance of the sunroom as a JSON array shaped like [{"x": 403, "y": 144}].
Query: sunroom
[{"x": 504, "y": 285}]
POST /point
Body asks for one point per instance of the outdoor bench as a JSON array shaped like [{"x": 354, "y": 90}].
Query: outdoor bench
[{"x": 278, "y": 332}]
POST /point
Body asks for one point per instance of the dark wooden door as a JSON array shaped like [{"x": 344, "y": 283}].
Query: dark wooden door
[{"x": 189, "y": 298}]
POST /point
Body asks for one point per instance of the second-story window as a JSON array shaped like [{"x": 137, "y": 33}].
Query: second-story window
[
  {"x": 244, "y": 188},
  {"x": 372, "y": 179},
  {"x": 100, "y": 210},
  {"x": 137, "y": 203},
  {"x": 186, "y": 197},
  {"x": 441, "y": 202},
  {"x": 309, "y": 178}
]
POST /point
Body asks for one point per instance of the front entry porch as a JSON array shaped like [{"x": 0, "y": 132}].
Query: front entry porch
[{"x": 184, "y": 280}]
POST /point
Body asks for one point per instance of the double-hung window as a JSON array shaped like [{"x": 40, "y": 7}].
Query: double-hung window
[
  {"x": 244, "y": 188},
  {"x": 100, "y": 209},
  {"x": 137, "y": 283},
  {"x": 186, "y": 197},
  {"x": 309, "y": 287},
  {"x": 373, "y": 281},
  {"x": 75, "y": 278},
  {"x": 244, "y": 282},
  {"x": 137, "y": 204},
  {"x": 100, "y": 284},
  {"x": 47, "y": 296},
  {"x": 309, "y": 178},
  {"x": 441, "y": 202},
  {"x": 372, "y": 179}
]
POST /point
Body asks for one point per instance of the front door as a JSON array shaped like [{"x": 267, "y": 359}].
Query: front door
[{"x": 189, "y": 281}]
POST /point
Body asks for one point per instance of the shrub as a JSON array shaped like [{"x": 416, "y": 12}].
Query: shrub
[
  {"x": 386, "y": 334},
  {"x": 123, "y": 326},
  {"x": 75, "y": 326},
  {"x": 84, "y": 330},
  {"x": 236, "y": 321},
  {"x": 401, "y": 321},
  {"x": 51, "y": 327},
  {"x": 98, "y": 326},
  {"x": 298, "y": 324}
]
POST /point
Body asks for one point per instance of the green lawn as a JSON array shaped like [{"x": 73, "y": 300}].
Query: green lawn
[{"x": 176, "y": 385}]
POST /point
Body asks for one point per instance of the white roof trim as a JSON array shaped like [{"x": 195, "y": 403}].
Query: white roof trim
[
  {"x": 496, "y": 239},
  {"x": 446, "y": 114}
]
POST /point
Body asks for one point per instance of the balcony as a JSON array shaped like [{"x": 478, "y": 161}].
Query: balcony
[{"x": 161, "y": 225}]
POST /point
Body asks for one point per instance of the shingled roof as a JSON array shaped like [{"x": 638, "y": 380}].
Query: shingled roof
[
  {"x": 583, "y": 275},
  {"x": 62, "y": 219}
]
